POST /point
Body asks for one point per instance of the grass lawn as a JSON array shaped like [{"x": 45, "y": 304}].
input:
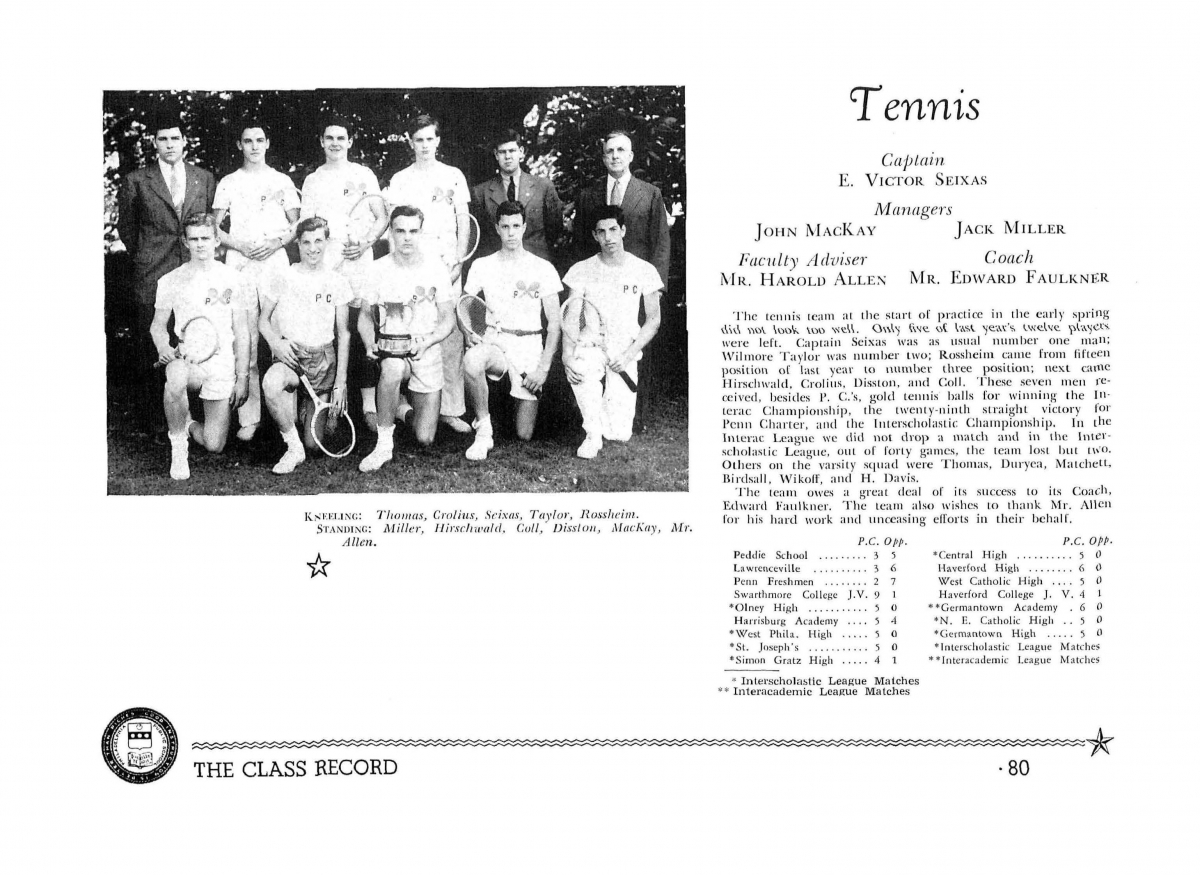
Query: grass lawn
[{"x": 654, "y": 461}]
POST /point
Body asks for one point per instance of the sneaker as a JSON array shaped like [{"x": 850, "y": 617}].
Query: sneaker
[
  {"x": 371, "y": 418},
  {"x": 590, "y": 447},
  {"x": 379, "y": 457},
  {"x": 456, "y": 424},
  {"x": 179, "y": 463},
  {"x": 247, "y": 432},
  {"x": 292, "y": 458},
  {"x": 179, "y": 455},
  {"x": 478, "y": 451}
]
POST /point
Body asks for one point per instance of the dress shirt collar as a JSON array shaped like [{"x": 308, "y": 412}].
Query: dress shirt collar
[
  {"x": 515, "y": 177},
  {"x": 613, "y": 180},
  {"x": 165, "y": 168}
]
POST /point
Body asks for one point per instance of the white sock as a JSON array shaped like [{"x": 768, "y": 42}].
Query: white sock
[
  {"x": 184, "y": 435},
  {"x": 385, "y": 437},
  {"x": 292, "y": 438},
  {"x": 483, "y": 425}
]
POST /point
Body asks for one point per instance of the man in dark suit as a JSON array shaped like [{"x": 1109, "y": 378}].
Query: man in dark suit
[
  {"x": 543, "y": 210},
  {"x": 152, "y": 205},
  {"x": 647, "y": 232}
]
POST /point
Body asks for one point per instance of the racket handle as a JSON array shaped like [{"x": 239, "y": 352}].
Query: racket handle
[
  {"x": 628, "y": 381},
  {"x": 312, "y": 393},
  {"x": 159, "y": 364}
]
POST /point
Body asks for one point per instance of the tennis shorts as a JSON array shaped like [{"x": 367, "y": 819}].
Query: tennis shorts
[
  {"x": 425, "y": 373},
  {"x": 215, "y": 376},
  {"x": 523, "y": 354},
  {"x": 319, "y": 364}
]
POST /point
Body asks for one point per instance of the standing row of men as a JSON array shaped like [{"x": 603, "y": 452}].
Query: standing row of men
[{"x": 520, "y": 218}]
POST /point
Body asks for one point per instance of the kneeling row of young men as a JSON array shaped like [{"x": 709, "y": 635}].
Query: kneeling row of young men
[{"x": 304, "y": 317}]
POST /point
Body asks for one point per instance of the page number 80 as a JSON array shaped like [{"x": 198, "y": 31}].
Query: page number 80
[{"x": 1018, "y": 767}]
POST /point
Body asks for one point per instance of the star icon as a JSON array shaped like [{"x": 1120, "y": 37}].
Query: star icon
[
  {"x": 1100, "y": 742},
  {"x": 318, "y": 567}
]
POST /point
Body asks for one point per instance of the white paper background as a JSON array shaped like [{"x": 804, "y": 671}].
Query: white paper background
[{"x": 1086, "y": 119}]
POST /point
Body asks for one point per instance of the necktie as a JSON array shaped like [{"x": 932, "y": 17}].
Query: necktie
[
  {"x": 176, "y": 188},
  {"x": 615, "y": 198},
  {"x": 512, "y": 189}
]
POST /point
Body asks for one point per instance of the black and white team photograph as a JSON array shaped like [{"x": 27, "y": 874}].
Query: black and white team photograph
[{"x": 408, "y": 291}]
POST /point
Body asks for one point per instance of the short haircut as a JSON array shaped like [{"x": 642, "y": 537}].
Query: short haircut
[
  {"x": 424, "y": 121},
  {"x": 406, "y": 210},
  {"x": 608, "y": 211},
  {"x": 508, "y": 135},
  {"x": 617, "y": 132},
  {"x": 163, "y": 119},
  {"x": 312, "y": 223},
  {"x": 200, "y": 220},
  {"x": 337, "y": 121},
  {"x": 250, "y": 124},
  {"x": 510, "y": 208}
]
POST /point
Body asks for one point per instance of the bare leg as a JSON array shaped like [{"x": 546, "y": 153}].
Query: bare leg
[
  {"x": 393, "y": 373},
  {"x": 250, "y": 413},
  {"x": 480, "y": 361},
  {"x": 475, "y": 364},
  {"x": 216, "y": 425},
  {"x": 279, "y": 388},
  {"x": 452, "y": 400},
  {"x": 175, "y": 397},
  {"x": 425, "y": 415},
  {"x": 527, "y": 412},
  {"x": 179, "y": 420}
]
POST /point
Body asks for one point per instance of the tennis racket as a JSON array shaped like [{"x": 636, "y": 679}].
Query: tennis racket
[
  {"x": 481, "y": 323},
  {"x": 198, "y": 341},
  {"x": 584, "y": 325},
  {"x": 361, "y": 218},
  {"x": 473, "y": 240},
  {"x": 332, "y": 431},
  {"x": 359, "y": 222}
]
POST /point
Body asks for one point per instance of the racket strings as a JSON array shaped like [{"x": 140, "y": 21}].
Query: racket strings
[
  {"x": 473, "y": 237},
  {"x": 198, "y": 340},
  {"x": 582, "y": 321},
  {"x": 333, "y": 432},
  {"x": 475, "y": 315},
  {"x": 361, "y": 219}
]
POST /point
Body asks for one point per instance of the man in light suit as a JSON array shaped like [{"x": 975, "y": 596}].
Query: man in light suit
[
  {"x": 152, "y": 205},
  {"x": 647, "y": 232},
  {"x": 543, "y": 210}
]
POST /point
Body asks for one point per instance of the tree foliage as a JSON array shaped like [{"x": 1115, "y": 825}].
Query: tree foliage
[
  {"x": 563, "y": 126},
  {"x": 572, "y": 127}
]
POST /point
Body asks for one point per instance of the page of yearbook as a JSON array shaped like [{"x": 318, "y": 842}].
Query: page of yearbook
[{"x": 811, "y": 488}]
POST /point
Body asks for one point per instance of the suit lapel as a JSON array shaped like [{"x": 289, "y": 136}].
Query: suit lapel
[
  {"x": 634, "y": 193},
  {"x": 191, "y": 191},
  {"x": 496, "y": 191},
  {"x": 159, "y": 185},
  {"x": 525, "y": 195}
]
